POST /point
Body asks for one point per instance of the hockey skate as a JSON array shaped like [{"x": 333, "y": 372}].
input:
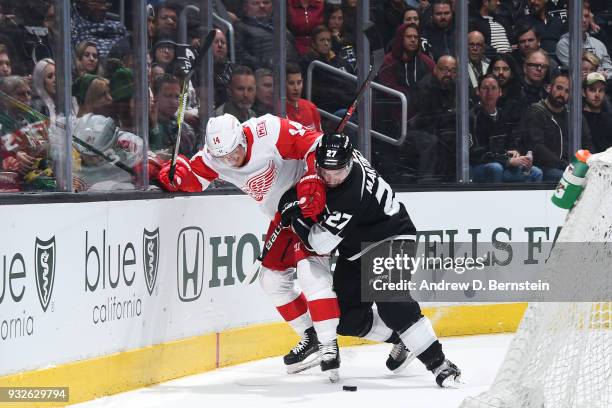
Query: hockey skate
[
  {"x": 447, "y": 375},
  {"x": 399, "y": 357},
  {"x": 330, "y": 360},
  {"x": 305, "y": 354}
]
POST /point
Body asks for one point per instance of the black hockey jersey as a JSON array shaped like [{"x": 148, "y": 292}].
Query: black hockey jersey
[{"x": 360, "y": 213}]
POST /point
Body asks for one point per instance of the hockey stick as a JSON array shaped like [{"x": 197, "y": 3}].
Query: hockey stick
[
  {"x": 208, "y": 40},
  {"x": 28, "y": 109},
  {"x": 349, "y": 113}
]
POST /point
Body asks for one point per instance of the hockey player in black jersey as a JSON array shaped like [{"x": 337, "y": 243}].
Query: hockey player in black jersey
[{"x": 361, "y": 207}]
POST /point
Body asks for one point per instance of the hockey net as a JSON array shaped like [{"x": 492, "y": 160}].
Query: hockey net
[{"x": 561, "y": 355}]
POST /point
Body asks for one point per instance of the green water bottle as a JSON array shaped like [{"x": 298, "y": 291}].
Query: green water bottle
[{"x": 572, "y": 183}]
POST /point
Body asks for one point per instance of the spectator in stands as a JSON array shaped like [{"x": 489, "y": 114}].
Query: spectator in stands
[
  {"x": 406, "y": 64},
  {"x": 535, "y": 67},
  {"x": 166, "y": 22},
  {"x": 43, "y": 80},
  {"x": 433, "y": 107},
  {"x": 598, "y": 120},
  {"x": 121, "y": 90},
  {"x": 298, "y": 109},
  {"x": 329, "y": 91},
  {"x": 590, "y": 63},
  {"x": 5, "y": 61},
  {"x": 590, "y": 44},
  {"x": 254, "y": 35},
  {"x": 334, "y": 20},
  {"x": 545, "y": 130},
  {"x": 95, "y": 126},
  {"x": 222, "y": 68},
  {"x": 87, "y": 59},
  {"x": 509, "y": 79},
  {"x": 241, "y": 95},
  {"x": 349, "y": 12},
  {"x": 264, "y": 92},
  {"x": 302, "y": 17},
  {"x": 482, "y": 20},
  {"x": 528, "y": 40},
  {"x": 411, "y": 16},
  {"x": 156, "y": 70},
  {"x": 441, "y": 33},
  {"x": 15, "y": 113},
  {"x": 392, "y": 18},
  {"x": 162, "y": 137},
  {"x": 477, "y": 62},
  {"x": 549, "y": 27},
  {"x": 164, "y": 53},
  {"x": 493, "y": 154},
  {"x": 89, "y": 23}
]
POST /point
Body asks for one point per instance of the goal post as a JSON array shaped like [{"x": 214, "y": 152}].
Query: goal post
[{"x": 561, "y": 354}]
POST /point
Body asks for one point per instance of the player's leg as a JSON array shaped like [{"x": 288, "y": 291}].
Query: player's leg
[
  {"x": 315, "y": 279},
  {"x": 276, "y": 279},
  {"x": 417, "y": 333},
  {"x": 358, "y": 318}
]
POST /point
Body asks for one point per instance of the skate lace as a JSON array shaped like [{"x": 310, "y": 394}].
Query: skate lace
[
  {"x": 396, "y": 350},
  {"x": 328, "y": 351},
  {"x": 301, "y": 346}
]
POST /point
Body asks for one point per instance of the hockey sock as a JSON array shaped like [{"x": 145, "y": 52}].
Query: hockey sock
[
  {"x": 421, "y": 339},
  {"x": 296, "y": 314},
  {"x": 379, "y": 330}
]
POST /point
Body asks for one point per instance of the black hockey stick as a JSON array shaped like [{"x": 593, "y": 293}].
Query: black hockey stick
[
  {"x": 208, "y": 40},
  {"x": 349, "y": 113}
]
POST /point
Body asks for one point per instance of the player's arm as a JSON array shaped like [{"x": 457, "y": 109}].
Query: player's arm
[
  {"x": 296, "y": 142},
  {"x": 190, "y": 176}
]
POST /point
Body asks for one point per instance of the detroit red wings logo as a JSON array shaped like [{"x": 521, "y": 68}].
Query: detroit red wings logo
[{"x": 259, "y": 185}]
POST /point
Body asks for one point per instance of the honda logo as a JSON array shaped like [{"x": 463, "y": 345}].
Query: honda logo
[{"x": 190, "y": 263}]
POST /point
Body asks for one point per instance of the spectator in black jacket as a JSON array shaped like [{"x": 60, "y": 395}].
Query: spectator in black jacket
[
  {"x": 599, "y": 122},
  {"x": 255, "y": 36},
  {"x": 493, "y": 154},
  {"x": 440, "y": 35},
  {"x": 508, "y": 77},
  {"x": 433, "y": 107},
  {"x": 536, "y": 67},
  {"x": 545, "y": 130},
  {"x": 550, "y": 28},
  {"x": 222, "y": 68},
  {"x": 330, "y": 92}
]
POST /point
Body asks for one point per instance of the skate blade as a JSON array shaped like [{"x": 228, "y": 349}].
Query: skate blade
[
  {"x": 453, "y": 382},
  {"x": 333, "y": 375},
  {"x": 409, "y": 359},
  {"x": 310, "y": 361}
]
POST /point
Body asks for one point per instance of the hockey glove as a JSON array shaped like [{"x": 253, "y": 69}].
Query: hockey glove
[
  {"x": 311, "y": 195},
  {"x": 289, "y": 213},
  {"x": 184, "y": 179},
  {"x": 154, "y": 166}
]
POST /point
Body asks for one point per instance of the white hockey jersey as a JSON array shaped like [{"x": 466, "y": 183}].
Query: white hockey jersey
[{"x": 277, "y": 153}]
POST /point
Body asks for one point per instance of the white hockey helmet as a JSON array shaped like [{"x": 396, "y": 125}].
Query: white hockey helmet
[{"x": 223, "y": 135}]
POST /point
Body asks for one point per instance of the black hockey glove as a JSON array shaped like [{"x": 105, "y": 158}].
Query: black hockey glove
[{"x": 290, "y": 212}]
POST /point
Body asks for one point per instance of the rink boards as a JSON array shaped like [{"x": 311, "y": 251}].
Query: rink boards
[{"x": 109, "y": 296}]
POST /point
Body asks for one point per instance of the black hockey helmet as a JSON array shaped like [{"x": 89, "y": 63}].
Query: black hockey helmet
[{"x": 334, "y": 152}]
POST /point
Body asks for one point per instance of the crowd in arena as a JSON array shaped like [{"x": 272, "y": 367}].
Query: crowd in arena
[{"x": 519, "y": 84}]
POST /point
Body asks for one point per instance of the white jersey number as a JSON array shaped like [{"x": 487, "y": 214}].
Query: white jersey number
[{"x": 391, "y": 206}]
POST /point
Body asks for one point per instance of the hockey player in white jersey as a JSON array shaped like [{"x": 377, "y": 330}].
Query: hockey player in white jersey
[
  {"x": 361, "y": 208},
  {"x": 265, "y": 157}
]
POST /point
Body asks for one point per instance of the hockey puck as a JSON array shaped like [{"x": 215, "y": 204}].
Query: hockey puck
[{"x": 349, "y": 387}]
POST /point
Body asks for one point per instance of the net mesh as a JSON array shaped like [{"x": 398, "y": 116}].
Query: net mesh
[{"x": 561, "y": 355}]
